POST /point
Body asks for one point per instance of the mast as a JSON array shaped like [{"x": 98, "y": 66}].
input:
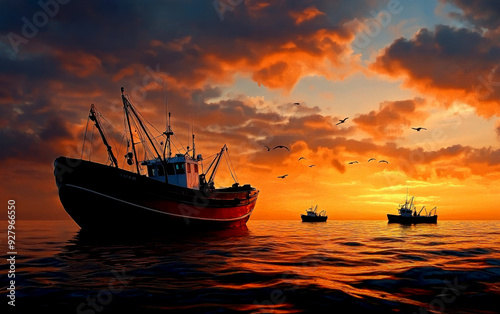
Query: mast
[
  {"x": 124, "y": 100},
  {"x": 93, "y": 117},
  {"x": 194, "y": 150},
  {"x": 168, "y": 133}
]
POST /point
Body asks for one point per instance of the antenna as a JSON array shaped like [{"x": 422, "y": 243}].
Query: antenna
[
  {"x": 192, "y": 132},
  {"x": 166, "y": 103},
  {"x": 168, "y": 131}
]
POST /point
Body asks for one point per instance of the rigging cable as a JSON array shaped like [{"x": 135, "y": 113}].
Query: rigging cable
[
  {"x": 138, "y": 113},
  {"x": 161, "y": 133},
  {"x": 231, "y": 166},
  {"x": 117, "y": 131},
  {"x": 100, "y": 115},
  {"x": 180, "y": 144},
  {"x": 151, "y": 143},
  {"x": 225, "y": 157},
  {"x": 141, "y": 139},
  {"x": 85, "y": 136},
  {"x": 91, "y": 143}
]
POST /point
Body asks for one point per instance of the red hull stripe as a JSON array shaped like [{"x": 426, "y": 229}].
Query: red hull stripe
[{"x": 159, "y": 211}]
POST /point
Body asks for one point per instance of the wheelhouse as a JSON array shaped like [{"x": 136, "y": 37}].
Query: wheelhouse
[
  {"x": 405, "y": 211},
  {"x": 180, "y": 170}
]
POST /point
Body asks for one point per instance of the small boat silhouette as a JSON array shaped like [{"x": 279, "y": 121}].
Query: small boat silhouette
[
  {"x": 313, "y": 216},
  {"x": 408, "y": 214}
]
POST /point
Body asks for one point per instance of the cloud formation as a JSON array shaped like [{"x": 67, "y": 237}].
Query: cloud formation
[
  {"x": 450, "y": 63},
  {"x": 481, "y": 13},
  {"x": 392, "y": 118}
]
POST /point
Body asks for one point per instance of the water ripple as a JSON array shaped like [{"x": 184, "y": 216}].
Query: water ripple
[{"x": 273, "y": 266}]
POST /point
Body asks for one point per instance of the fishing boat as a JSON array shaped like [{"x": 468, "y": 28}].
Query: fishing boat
[
  {"x": 408, "y": 214},
  {"x": 162, "y": 191},
  {"x": 313, "y": 216}
]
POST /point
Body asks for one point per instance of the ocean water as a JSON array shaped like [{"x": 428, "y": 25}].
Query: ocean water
[{"x": 269, "y": 267}]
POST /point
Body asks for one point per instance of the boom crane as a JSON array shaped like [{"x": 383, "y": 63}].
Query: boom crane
[{"x": 93, "y": 117}]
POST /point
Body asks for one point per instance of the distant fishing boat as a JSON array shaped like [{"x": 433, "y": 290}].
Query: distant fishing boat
[
  {"x": 164, "y": 191},
  {"x": 408, "y": 214},
  {"x": 313, "y": 216}
]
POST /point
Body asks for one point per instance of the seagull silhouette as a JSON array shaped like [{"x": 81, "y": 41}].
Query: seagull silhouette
[
  {"x": 342, "y": 121},
  {"x": 419, "y": 128},
  {"x": 283, "y": 176},
  {"x": 297, "y": 103},
  {"x": 371, "y": 159},
  {"x": 281, "y": 146},
  {"x": 268, "y": 149},
  {"x": 354, "y": 162},
  {"x": 311, "y": 166},
  {"x": 383, "y": 161},
  {"x": 302, "y": 158}
]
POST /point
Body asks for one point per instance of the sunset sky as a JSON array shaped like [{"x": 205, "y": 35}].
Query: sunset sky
[{"x": 232, "y": 70}]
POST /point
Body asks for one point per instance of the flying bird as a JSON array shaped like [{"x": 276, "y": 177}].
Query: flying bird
[
  {"x": 383, "y": 161},
  {"x": 297, "y": 103},
  {"x": 419, "y": 128},
  {"x": 311, "y": 166},
  {"x": 283, "y": 176},
  {"x": 342, "y": 121},
  {"x": 268, "y": 149},
  {"x": 302, "y": 158},
  {"x": 281, "y": 146},
  {"x": 371, "y": 159},
  {"x": 354, "y": 162}
]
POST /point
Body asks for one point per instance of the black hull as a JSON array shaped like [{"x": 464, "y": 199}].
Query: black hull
[
  {"x": 411, "y": 220},
  {"x": 95, "y": 212},
  {"x": 306, "y": 218},
  {"x": 100, "y": 197}
]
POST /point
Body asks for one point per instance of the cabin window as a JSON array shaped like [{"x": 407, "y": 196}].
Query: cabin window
[
  {"x": 161, "y": 172},
  {"x": 170, "y": 169},
  {"x": 189, "y": 168},
  {"x": 156, "y": 171},
  {"x": 196, "y": 168},
  {"x": 179, "y": 168}
]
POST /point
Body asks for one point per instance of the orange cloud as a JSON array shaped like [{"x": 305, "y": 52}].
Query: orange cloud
[
  {"x": 392, "y": 118},
  {"x": 128, "y": 71},
  {"x": 306, "y": 15},
  {"x": 79, "y": 63}
]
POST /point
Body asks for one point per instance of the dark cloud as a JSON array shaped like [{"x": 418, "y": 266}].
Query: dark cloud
[
  {"x": 17, "y": 144},
  {"x": 85, "y": 51},
  {"x": 55, "y": 129},
  {"x": 481, "y": 13},
  {"x": 33, "y": 133},
  {"x": 451, "y": 63},
  {"x": 187, "y": 39}
]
